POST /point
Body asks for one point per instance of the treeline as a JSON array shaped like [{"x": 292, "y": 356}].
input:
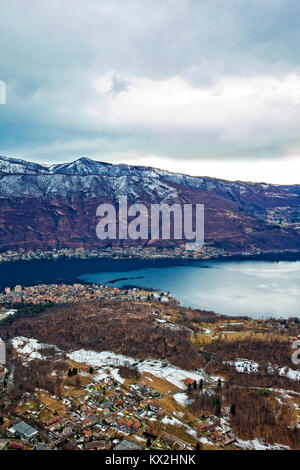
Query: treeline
[
  {"x": 39, "y": 375},
  {"x": 258, "y": 414},
  {"x": 189, "y": 317},
  {"x": 271, "y": 355},
  {"x": 261, "y": 378},
  {"x": 128, "y": 371},
  {"x": 274, "y": 351},
  {"x": 205, "y": 403},
  {"x": 23, "y": 310}
]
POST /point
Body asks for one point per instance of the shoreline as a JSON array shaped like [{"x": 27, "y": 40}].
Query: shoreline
[
  {"x": 67, "y": 271},
  {"x": 288, "y": 255}
]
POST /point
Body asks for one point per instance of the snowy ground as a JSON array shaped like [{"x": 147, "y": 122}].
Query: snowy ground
[
  {"x": 181, "y": 398},
  {"x": 171, "y": 420},
  {"x": 30, "y": 347},
  {"x": 248, "y": 366},
  {"x": 259, "y": 445},
  {"x": 245, "y": 365},
  {"x": 203, "y": 440},
  {"x": 160, "y": 369},
  {"x": 290, "y": 373}
]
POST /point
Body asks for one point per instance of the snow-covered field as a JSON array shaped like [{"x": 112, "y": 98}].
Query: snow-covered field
[
  {"x": 181, "y": 398},
  {"x": 248, "y": 366},
  {"x": 245, "y": 365},
  {"x": 256, "y": 444},
  {"x": 30, "y": 347},
  {"x": 171, "y": 420},
  {"x": 290, "y": 373},
  {"x": 160, "y": 369}
]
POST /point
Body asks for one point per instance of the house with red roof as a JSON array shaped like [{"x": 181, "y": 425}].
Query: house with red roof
[{"x": 189, "y": 381}]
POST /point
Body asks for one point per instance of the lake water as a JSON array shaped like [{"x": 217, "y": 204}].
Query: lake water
[{"x": 254, "y": 288}]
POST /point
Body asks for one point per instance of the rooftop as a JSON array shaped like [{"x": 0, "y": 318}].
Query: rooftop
[
  {"x": 126, "y": 444},
  {"x": 24, "y": 429}
]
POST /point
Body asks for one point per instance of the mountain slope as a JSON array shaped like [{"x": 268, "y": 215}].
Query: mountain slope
[{"x": 54, "y": 206}]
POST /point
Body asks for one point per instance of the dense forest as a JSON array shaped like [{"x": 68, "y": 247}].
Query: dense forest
[{"x": 125, "y": 327}]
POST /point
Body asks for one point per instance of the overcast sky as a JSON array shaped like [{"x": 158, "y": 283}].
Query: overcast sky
[{"x": 206, "y": 87}]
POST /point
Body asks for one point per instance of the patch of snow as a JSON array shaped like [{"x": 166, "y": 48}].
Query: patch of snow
[
  {"x": 256, "y": 444},
  {"x": 181, "y": 398},
  {"x": 171, "y": 420},
  {"x": 245, "y": 365},
  {"x": 203, "y": 440},
  {"x": 160, "y": 369},
  {"x": 29, "y": 347},
  {"x": 290, "y": 373}
]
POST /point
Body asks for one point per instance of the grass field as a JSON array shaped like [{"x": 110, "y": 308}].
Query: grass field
[
  {"x": 170, "y": 404},
  {"x": 53, "y": 404},
  {"x": 28, "y": 406},
  {"x": 160, "y": 385},
  {"x": 201, "y": 339}
]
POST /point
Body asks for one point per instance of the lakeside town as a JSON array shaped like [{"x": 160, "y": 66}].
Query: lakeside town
[
  {"x": 75, "y": 293},
  {"x": 133, "y": 252}
]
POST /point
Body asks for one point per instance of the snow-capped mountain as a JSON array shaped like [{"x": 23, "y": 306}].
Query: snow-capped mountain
[{"x": 55, "y": 205}]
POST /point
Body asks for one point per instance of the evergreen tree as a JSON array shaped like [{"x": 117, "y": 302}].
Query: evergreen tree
[{"x": 218, "y": 406}]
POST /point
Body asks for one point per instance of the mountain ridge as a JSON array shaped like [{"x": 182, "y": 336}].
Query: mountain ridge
[
  {"x": 57, "y": 168},
  {"x": 42, "y": 206}
]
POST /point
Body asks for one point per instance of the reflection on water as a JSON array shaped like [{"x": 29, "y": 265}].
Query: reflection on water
[{"x": 256, "y": 288}]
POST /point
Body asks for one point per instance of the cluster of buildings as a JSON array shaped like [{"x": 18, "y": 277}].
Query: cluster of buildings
[
  {"x": 106, "y": 413},
  {"x": 142, "y": 252},
  {"x": 283, "y": 216},
  {"x": 168, "y": 441},
  {"x": 76, "y": 293},
  {"x": 213, "y": 431},
  {"x": 97, "y": 417},
  {"x": 209, "y": 251}
]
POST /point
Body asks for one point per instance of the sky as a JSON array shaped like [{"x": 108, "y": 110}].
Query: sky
[{"x": 204, "y": 87}]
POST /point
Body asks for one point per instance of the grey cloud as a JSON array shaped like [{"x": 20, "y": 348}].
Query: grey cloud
[
  {"x": 119, "y": 84},
  {"x": 51, "y": 51}
]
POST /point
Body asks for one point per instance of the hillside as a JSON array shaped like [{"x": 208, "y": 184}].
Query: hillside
[{"x": 54, "y": 206}]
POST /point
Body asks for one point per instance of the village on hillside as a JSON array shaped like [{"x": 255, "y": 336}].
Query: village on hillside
[
  {"x": 81, "y": 399},
  {"x": 97, "y": 409}
]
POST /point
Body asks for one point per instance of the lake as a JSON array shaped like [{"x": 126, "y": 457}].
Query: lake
[{"x": 254, "y": 288}]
